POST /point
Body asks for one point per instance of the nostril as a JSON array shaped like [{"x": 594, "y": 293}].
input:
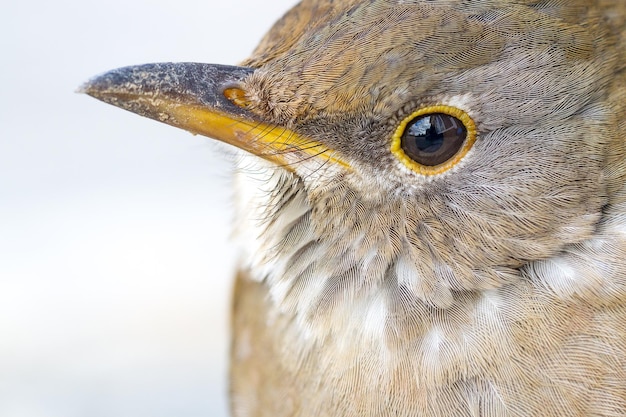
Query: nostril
[{"x": 237, "y": 96}]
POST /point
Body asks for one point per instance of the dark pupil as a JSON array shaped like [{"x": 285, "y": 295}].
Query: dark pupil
[{"x": 432, "y": 139}]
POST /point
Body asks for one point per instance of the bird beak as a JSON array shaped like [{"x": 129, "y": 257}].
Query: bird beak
[{"x": 204, "y": 99}]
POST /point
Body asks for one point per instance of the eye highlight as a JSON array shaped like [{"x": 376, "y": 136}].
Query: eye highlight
[{"x": 433, "y": 139}]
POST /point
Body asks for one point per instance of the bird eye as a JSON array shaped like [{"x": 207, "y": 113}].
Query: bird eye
[{"x": 433, "y": 139}]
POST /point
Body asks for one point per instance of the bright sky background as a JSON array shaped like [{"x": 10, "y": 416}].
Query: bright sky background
[{"x": 115, "y": 267}]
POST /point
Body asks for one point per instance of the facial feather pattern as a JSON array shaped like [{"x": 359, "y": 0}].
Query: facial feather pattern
[
  {"x": 534, "y": 183},
  {"x": 495, "y": 289}
]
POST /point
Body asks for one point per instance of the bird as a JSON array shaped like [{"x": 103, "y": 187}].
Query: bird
[{"x": 430, "y": 205}]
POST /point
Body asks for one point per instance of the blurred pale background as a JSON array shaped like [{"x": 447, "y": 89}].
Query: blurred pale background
[{"x": 115, "y": 271}]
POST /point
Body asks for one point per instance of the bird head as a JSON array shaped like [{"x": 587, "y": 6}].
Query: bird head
[{"x": 433, "y": 149}]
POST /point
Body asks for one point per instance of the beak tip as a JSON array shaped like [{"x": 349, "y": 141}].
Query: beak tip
[
  {"x": 97, "y": 84},
  {"x": 116, "y": 81},
  {"x": 84, "y": 88}
]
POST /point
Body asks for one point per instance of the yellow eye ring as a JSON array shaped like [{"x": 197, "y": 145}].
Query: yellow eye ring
[{"x": 421, "y": 135}]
